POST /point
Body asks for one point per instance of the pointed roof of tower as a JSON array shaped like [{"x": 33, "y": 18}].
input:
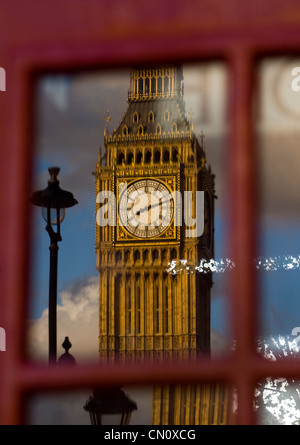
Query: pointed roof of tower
[
  {"x": 155, "y": 106},
  {"x": 153, "y": 117}
]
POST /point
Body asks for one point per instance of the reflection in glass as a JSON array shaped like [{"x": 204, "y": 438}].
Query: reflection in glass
[
  {"x": 277, "y": 402},
  {"x": 69, "y": 408},
  {"x": 208, "y": 406},
  {"x": 278, "y": 132},
  {"x": 142, "y": 308},
  {"x": 109, "y": 405},
  {"x": 278, "y": 136}
]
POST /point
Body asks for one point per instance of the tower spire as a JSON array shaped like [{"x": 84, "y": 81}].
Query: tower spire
[
  {"x": 107, "y": 118},
  {"x": 155, "y": 83}
]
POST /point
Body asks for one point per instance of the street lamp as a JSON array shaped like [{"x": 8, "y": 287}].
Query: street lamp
[
  {"x": 109, "y": 401},
  {"x": 53, "y": 201}
]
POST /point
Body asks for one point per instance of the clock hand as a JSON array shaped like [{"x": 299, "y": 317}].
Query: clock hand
[
  {"x": 149, "y": 207},
  {"x": 136, "y": 214},
  {"x": 159, "y": 204},
  {"x": 142, "y": 210}
]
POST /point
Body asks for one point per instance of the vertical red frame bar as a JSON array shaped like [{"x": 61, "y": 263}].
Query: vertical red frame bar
[
  {"x": 243, "y": 229},
  {"x": 15, "y": 238}
]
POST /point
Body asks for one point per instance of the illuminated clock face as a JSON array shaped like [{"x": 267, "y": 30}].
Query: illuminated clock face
[{"x": 146, "y": 208}]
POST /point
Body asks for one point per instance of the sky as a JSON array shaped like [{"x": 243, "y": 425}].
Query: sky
[{"x": 70, "y": 121}]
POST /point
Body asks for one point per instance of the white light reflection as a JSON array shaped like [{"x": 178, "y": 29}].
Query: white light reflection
[
  {"x": 281, "y": 262},
  {"x": 204, "y": 266}
]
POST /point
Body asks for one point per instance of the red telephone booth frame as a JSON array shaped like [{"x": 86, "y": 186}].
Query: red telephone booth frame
[{"x": 77, "y": 34}]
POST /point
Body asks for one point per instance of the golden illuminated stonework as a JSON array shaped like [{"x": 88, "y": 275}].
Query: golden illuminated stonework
[{"x": 147, "y": 314}]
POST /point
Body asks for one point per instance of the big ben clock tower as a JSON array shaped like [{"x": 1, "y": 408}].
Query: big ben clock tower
[{"x": 146, "y": 219}]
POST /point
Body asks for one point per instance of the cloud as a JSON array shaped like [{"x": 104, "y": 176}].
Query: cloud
[{"x": 77, "y": 318}]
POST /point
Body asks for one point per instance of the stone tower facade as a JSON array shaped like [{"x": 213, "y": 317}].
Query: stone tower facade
[{"x": 146, "y": 220}]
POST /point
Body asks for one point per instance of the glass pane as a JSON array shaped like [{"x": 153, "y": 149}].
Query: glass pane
[
  {"x": 160, "y": 294},
  {"x": 208, "y": 404},
  {"x": 278, "y": 262},
  {"x": 278, "y": 132}
]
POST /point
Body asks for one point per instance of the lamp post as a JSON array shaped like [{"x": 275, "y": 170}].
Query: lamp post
[
  {"x": 105, "y": 401},
  {"x": 53, "y": 201}
]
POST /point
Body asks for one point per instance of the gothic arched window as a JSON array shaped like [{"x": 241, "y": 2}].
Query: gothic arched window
[
  {"x": 147, "y": 85},
  {"x": 156, "y": 155},
  {"x": 140, "y": 84},
  {"x": 148, "y": 156},
  {"x": 155, "y": 254},
  {"x": 138, "y": 303},
  {"x": 166, "y": 307},
  {"x": 166, "y": 84},
  {"x": 164, "y": 255},
  {"x": 173, "y": 254},
  {"x": 153, "y": 85},
  {"x": 136, "y": 255},
  {"x": 127, "y": 255},
  {"x": 174, "y": 154},
  {"x": 166, "y": 155},
  {"x": 146, "y": 255},
  {"x": 128, "y": 298},
  {"x": 159, "y": 85},
  {"x": 156, "y": 307},
  {"x": 151, "y": 116},
  {"x": 138, "y": 157},
  {"x": 121, "y": 157},
  {"x": 118, "y": 256},
  {"x": 129, "y": 157}
]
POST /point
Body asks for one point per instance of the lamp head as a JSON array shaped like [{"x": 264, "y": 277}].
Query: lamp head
[{"x": 53, "y": 199}]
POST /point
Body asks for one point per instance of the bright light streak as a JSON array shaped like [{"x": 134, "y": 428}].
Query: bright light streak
[{"x": 281, "y": 262}]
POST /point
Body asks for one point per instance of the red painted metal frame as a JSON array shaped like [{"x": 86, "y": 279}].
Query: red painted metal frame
[{"x": 79, "y": 34}]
